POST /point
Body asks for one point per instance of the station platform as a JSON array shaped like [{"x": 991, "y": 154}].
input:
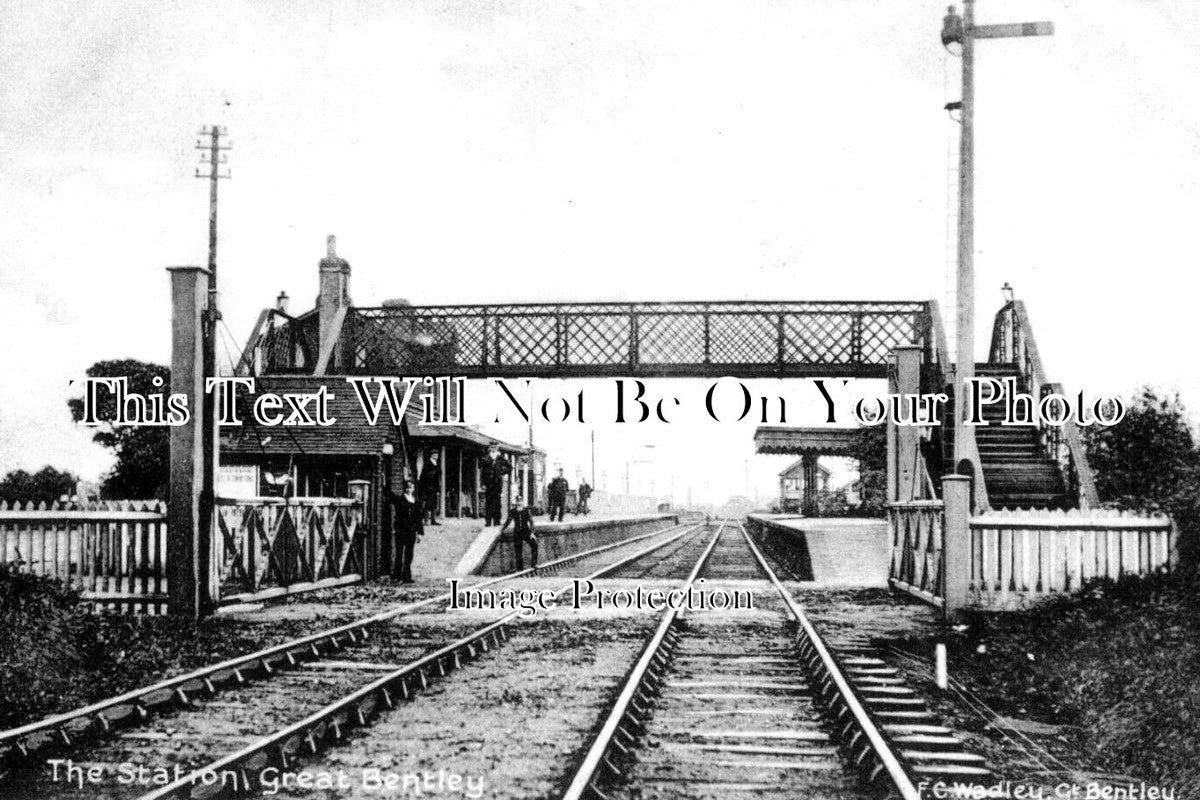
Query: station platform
[
  {"x": 844, "y": 552},
  {"x": 458, "y": 547}
]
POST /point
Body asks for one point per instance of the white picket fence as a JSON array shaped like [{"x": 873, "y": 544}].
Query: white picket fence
[
  {"x": 1017, "y": 557},
  {"x": 114, "y": 552},
  {"x": 1021, "y": 556}
]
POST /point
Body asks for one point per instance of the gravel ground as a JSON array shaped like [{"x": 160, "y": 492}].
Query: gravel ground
[{"x": 511, "y": 724}]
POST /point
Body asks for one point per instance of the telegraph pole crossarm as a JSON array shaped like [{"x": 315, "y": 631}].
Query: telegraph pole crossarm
[{"x": 213, "y": 154}]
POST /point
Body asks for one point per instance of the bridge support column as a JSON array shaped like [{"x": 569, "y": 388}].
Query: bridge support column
[
  {"x": 956, "y": 544},
  {"x": 193, "y": 464},
  {"x": 808, "y": 502},
  {"x": 904, "y": 441}
]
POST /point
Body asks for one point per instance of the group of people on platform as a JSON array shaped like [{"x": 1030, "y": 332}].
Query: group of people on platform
[
  {"x": 556, "y": 497},
  {"x": 417, "y": 505}
]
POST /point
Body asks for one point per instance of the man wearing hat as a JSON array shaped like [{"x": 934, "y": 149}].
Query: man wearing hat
[
  {"x": 407, "y": 527},
  {"x": 493, "y": 470},
  {"x": 429, "y": 487},
  {"x": 556, "y": 495}
]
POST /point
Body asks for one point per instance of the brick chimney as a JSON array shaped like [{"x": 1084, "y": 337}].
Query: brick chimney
[{"x": 335, "y": 291}]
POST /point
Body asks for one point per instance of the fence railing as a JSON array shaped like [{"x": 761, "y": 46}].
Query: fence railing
[
  {"x": 917, "y": 531},
  {"x": 1018, "y": 557},
  {"x": 277, "y": 543},
  {"x": 112, "y": 551},
  {"x": 1021, "y": 556}
]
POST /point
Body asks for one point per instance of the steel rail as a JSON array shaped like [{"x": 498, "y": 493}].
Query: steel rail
[
  {"x": 67, "y": 727},
  {"x": 235, "y": 772},
  {"x": 890, "y": 763},
  {"x": 597, "y": 753}
]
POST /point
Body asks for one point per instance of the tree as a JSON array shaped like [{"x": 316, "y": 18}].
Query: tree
[
  {"x": 46, "y": 485},
  {"x": 870, "y": 449},
  {"x": 1149, "y": 461},
  {"x": 143, "y": 452}
]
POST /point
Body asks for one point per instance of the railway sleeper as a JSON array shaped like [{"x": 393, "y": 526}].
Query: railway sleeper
[{"x": 925, "y": 748}]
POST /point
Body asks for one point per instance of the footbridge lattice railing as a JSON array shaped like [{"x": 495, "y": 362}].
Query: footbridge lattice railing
[{"x": 747, "y": 339}]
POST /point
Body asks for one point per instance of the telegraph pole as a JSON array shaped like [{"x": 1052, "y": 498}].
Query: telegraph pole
[
  {"x": 212, "y": 154},
  {"x": 963, "y": 31}
]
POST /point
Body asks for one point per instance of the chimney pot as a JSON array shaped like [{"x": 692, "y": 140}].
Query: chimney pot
[
  {"x": 281, "y": 302},
  {"x": 334, "y": 294}
]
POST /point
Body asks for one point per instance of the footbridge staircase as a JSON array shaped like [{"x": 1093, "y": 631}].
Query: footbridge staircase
[
  {"x": 1022, "y": 466},
  {"x": 1018, "y": 519}
]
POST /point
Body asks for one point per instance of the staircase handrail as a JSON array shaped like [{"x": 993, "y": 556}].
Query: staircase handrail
[
  {"x": 939, "y": 352},
  {"x": 941, "y": 362},
  {"x": 1013, "y": 342}
]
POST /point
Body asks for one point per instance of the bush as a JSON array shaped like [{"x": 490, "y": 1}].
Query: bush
[
  {"x": 1118, "y": 662},
  {"x": 59, "y": 654},
  {"x": 39, "y": 650},
  {"x": 832, "y": 503},
  {"x": 1150, "y": 462}
]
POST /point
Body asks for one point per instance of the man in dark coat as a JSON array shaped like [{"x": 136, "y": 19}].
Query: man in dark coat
[
  {"x": 407, "y": 527},
  {"x": 556, "y": 496},
  {"x": 522, "y": 522},
  {"x": 429, "y": 487},
  {"x": 493, "y": 470}
]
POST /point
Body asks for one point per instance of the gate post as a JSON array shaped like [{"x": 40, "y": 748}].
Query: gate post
[
  {"x": 189, "y": 518},
  {"x": 956, "y": 544}
]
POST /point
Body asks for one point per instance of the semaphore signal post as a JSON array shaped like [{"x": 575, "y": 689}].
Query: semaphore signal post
[{"x": 963, "y": 31}]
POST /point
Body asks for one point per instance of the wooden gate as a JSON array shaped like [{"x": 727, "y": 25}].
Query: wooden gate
[{"x": 268, "y": 546}]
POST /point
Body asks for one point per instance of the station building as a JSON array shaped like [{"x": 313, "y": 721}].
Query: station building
[{"x": 300, "y": 353}]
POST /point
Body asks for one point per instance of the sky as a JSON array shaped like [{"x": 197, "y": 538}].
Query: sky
[{"x": 501, "y": 151}]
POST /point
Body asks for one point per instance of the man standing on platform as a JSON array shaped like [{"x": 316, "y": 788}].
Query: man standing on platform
[
  {"x": 493, "y": 470},
  {"x": 556, "y": 495},
  {"x": 522, "y": 522},
  {"x": 585, "y": 491},
  {"x": 407, "y": 528},
  {"x": 429, "y": 487}
]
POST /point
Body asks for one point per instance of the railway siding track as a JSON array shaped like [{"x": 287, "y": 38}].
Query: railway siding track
[
  {"x": 74, "y": 730},
  {"x": 723, "y": 712}
]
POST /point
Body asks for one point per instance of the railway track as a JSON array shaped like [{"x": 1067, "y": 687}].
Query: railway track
[
  {"x": 347, "y": 674},
  {"x": 713, "y": 709}
]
